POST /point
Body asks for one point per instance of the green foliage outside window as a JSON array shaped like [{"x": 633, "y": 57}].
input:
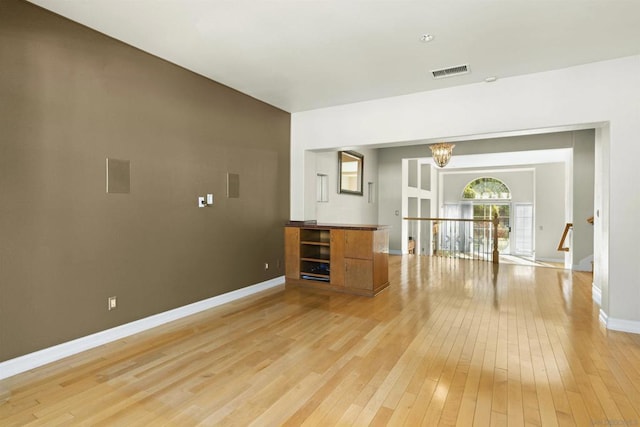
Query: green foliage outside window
[{"x": 486, "y": 188}]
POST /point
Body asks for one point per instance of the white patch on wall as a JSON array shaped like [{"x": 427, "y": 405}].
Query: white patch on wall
[{"x": 322, "y": 189}]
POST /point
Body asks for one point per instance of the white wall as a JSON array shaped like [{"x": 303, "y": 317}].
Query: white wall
[
  {"x": 549, "y": 216},
  {"x": 539, "y": 184},
  {"x": 390, "y": 176},
  {"x": 605, "y": 93},
  {"x": 347, "y": 208},
  {"x": 417, "y": 193},
  {"x": 392, "y": 190},
  {"x": 520, "y": 182},
  {"x": 601, "y": 223},
  {"x": 583, "y": 188}
]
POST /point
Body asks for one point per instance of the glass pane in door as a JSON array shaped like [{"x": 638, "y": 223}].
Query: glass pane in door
[
  {"x": 523, "y": 220},
  {"x": 485, "y": 232}
]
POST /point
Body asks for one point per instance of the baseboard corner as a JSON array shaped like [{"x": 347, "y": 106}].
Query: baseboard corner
[
  {"x": 623, "y": 325},
  {"x": 596, "y": 294},
  {"x": 604, "y": 318}
]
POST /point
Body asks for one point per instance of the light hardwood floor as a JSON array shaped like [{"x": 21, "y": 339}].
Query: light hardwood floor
[{"x": 448, "y": 343}]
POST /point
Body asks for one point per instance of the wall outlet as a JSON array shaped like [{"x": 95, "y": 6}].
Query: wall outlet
[
  {"x": 112, "y": 303},
  {"x": 201, "y": 202},
  {"x": 266, "y": 266}
]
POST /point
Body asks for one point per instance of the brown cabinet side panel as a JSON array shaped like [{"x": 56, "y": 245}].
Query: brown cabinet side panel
[
  {"x": 380, "y": 258},
  {"x": 358, "y": 244},
  {"x": 358, "y": 274},
  {"x": 292, "y": 252},
  {"x": 381, "y": 270},
  {"x": 337, "y": 257}
]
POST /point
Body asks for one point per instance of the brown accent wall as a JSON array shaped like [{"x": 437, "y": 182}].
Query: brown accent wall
[{"x": 69, "y": 98}]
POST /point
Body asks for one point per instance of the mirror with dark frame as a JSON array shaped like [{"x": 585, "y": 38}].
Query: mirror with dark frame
[{"x": 350, "y": 166}]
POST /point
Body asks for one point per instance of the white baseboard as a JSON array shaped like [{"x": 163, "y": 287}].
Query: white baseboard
[
  {"x": 556, "y": 260},
  {"x": 596, "y": 294},
  {"x": 38, "y": 358},
  {"x": 603, "y": 317},
  {"x": 632, "y": 326},
  {"x": 621, "y": 325},
  {"x": 584, "y": 264}
]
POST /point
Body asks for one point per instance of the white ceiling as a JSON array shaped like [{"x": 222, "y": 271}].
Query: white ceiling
[{"x": 305, "y": 54}]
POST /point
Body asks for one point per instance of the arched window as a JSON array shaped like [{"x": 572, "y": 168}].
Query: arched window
[{"x": 486, "y": 188}]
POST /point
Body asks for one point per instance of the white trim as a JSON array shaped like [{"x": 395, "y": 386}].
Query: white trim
[
  {"x": 38, "y": 358},
  {"x": 603, "y": 317},
  {"x": 558, "y": 260},
  {"x": 585, "y": 264},
  {"x": 596, "y": 294},
  {"x": 622, "y": 325}
]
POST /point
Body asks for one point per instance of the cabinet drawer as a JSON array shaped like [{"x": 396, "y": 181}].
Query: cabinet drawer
[{"x": 358, "y": 244}]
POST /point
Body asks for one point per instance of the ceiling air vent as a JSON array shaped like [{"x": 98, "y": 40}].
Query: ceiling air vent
[{"x": 451, "y": 71}]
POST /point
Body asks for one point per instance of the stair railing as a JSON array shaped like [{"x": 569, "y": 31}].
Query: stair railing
[
  {"x": 475, "y": 239},
  {"x": 561, "y": 246}
]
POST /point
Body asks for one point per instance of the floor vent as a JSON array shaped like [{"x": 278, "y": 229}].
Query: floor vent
[{"x": 450, "y": 71}]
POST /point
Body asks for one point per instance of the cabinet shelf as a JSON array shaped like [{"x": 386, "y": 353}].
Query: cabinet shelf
[
  {"x": 315, "y": 268},
  {"x": 327, "y": 244},
  {"x": 315, "y": 251},
  {"x": 314, "y": 276},
  {"x": 315, "y": 236},
  {"x": 324, "y": 261}
]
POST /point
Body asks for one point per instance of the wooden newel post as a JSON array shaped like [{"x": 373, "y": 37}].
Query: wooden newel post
[
  {"x": 496, "y": 254},
  {"x": 435, "y": 237}
]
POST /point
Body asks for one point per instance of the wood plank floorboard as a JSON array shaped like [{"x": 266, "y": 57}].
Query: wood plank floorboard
[{"x": 449, "y": 343}]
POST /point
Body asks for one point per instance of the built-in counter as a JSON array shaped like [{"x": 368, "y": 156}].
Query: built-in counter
[{"x": 337, "y": 257}]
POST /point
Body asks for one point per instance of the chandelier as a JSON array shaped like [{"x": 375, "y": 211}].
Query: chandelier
[{"x": 441, "y": 153}]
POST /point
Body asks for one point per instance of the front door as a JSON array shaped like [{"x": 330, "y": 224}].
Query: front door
[{"x": 485, "y": 211}]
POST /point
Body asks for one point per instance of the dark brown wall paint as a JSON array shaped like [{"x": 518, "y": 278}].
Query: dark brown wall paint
[{"x": 71, "y": 97}]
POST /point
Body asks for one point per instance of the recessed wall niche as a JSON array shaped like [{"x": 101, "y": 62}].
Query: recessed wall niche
[
  {"x": 118, "y": 176},
  {"x": 322, "y": 188},
  {"x": 233, "y": 185}
]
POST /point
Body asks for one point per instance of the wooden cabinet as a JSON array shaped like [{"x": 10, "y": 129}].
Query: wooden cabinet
[
  {"x": 315, "y": 254},
  {"x": 351, "y": 259},
  {"x": 337, "y": 257}
]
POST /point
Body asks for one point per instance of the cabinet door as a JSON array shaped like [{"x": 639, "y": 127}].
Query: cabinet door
[
  {"x": 358, "y": 244},
  {"x": 292, "y": 252},
  {"x": 380, "y": 258},
  {"x": 337, "y": 257},
  {"x": 358, "y": 274}
]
